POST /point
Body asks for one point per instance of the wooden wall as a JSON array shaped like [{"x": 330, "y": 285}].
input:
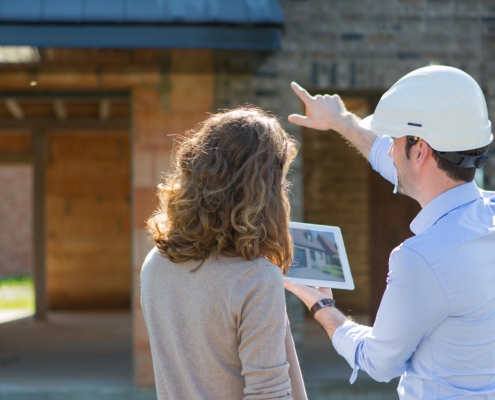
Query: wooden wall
[{"x": 88, "y": 220}]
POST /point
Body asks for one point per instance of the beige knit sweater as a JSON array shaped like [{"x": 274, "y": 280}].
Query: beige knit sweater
[{"x": 220, "y": 333}]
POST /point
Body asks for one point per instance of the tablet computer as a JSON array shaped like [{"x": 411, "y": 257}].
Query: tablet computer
[{"x": 319, "y": 257}]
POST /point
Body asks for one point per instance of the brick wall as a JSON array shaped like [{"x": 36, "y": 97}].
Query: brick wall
[
  {"x": 16, "y": 204},
  {"x": 338, "y": 45},
  {"x": 16, "y": 188}
]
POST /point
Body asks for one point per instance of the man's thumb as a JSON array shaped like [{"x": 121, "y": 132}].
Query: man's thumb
[{"x": 300, "y": 120}]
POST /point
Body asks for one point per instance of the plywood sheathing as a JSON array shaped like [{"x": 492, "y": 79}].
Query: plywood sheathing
[{"x": 88, "y": 224}]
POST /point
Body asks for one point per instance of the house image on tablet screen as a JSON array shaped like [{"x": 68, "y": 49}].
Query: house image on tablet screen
[{"x": 316, "y": 256}]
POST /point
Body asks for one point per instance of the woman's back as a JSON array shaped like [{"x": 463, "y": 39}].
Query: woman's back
[
  {"x": 217, "y": 325},
  {"x": 220, "y": 332}
]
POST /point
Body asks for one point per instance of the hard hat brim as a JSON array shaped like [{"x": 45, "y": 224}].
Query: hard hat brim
[
  {"x": 367, "y": 123},
  {"x": 437, "y": 142}
]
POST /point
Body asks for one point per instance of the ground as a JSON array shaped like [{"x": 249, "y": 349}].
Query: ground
[{"x": 83, "y": 356}]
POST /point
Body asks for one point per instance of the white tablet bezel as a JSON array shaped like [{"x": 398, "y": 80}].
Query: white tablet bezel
[{"x": 348, "y": 283}]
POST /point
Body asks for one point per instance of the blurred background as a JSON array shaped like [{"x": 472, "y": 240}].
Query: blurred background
[{"x": 91, "y": 92}]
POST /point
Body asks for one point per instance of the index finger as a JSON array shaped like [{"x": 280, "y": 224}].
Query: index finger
[{"x": 301, "y": 92}]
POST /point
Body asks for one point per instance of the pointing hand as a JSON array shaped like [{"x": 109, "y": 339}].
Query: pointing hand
[{"x": 322, "y": 112}]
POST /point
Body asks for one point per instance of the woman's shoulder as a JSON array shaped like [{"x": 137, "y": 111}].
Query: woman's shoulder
[
  {"x": 261, "y": 281},
  {"x": 260, "y": 271},
  {"x": 154, "y": 258}
]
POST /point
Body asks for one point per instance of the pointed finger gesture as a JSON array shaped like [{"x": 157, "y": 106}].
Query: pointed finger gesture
[{"x": 322, "y": 112}]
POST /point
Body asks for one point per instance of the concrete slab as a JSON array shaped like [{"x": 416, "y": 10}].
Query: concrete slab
[
  {"x": 76, "y": 355},
  {"x": 12, "y": 315},
  {"x": 326, "y": 373},
  {"x": 88, "y": 356}
]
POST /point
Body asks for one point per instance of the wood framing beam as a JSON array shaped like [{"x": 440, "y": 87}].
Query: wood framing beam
[
  {"x": 104, "y": 109},
  {"x": 60, "y": 110},
  {"x": 14, "y": 108},
  {"x": 6, "y": 158},
  {"x": 69, "y": 124},
  {"x": 91, "y": 96},
  {"x": 39, "y": 231}
]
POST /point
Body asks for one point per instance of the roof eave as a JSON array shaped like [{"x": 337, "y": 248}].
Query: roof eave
[{"x": 211, "y": 36}]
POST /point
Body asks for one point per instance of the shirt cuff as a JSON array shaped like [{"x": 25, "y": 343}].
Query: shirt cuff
[
  {"x": 346, "y": 339},
  {"x": 380, "y": 161}
]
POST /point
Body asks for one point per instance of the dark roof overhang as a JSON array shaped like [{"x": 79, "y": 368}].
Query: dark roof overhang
[{"x": 214, "y": 24}]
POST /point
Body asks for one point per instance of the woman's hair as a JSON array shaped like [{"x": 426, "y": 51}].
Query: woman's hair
[{"x": 227, "y": 192}]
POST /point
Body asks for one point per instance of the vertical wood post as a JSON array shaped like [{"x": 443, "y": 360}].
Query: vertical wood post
[{"x": 39, "y": 236}]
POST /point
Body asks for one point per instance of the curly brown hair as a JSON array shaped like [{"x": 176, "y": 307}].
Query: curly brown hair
[{"x": 226, "y": 192}]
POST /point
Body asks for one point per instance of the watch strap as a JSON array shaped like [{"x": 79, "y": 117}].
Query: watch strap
[{"x": 321, "y": 304}]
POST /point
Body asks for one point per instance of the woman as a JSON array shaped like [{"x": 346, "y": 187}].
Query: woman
[{"x": 212, "y": 288}]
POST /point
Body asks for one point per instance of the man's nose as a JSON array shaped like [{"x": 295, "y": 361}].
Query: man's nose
[{"x": 391, "y": 150}]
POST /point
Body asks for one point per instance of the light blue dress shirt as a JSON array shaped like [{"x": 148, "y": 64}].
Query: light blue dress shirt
[{"x": 436, "y": 322}]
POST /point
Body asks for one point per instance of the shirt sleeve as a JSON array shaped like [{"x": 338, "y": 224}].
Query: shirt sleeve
[
  {"x": 380, "y": 161},
  {"x": 258, "y": 307},
  {"x": 413, "y": 305}
]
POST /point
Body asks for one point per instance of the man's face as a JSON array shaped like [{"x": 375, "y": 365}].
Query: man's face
[{"x": 402, "y": 164}]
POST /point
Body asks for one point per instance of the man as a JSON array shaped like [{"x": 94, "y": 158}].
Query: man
[{"x": 436, "y": 322}]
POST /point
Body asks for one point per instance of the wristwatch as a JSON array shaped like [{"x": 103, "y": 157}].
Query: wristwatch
[{"x": 321, "y": 304}]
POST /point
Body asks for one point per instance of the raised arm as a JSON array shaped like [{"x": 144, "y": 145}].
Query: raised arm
[{"x": 329, "y": 112}]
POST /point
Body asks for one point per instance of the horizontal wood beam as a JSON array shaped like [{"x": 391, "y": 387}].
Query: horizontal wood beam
[
  {"x": 71, "y": 124},
  {"x": 63, "y": 80},
  {"x": 6, "y": 158},
  {"x": 63, "y": 96}
]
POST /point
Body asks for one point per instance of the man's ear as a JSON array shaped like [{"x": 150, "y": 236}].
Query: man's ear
[{"x": 422, "y": 153}]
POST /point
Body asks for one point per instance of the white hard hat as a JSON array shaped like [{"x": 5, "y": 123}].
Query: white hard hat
[{"x": 442, "y": 105}]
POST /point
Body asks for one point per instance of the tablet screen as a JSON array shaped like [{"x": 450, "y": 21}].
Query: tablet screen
[{"x": 320, "y": 258}]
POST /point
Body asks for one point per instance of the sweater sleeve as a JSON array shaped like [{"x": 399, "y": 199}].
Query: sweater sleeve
[
  {"x": 258, "y": 309},
  {"x": 296, "y": 378}
]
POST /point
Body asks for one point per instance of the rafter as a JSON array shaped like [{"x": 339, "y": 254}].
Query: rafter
[
  {"x": 14, "y": 109},
  {"x": 104, "y": 109},
  {"x": 60, "y": 110}
]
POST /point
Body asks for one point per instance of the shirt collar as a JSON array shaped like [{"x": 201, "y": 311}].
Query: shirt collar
[{"x": 442, "y": 204}]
